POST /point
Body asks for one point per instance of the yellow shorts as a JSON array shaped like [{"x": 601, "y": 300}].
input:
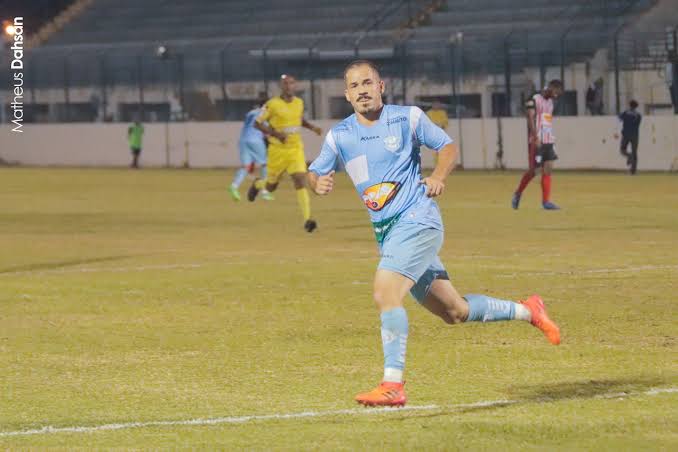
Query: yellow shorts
[{"x": 281, "y": 159}]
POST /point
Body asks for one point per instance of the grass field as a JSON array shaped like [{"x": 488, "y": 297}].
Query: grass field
[{"x": 150, "y": 296}]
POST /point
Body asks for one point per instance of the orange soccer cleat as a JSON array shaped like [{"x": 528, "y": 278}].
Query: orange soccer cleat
[
  {"x": 541, "y": 320},
  {"x": 386, "y": 394}
]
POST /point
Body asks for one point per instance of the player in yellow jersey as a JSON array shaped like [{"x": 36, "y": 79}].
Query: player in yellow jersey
[
  {"x": 281, "y": 120},
  {"x": 438, "y": 116}
]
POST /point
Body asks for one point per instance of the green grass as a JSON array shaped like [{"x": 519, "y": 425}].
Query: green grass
[{"x": 143, "y": 296}]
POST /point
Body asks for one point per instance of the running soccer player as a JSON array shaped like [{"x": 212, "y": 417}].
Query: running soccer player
[
  {"x": 135, "y": 134},
  {"x": 629, "y": 122},
  {"x": 379, "y": 145},
  {"x": 541, "y": 143},
  {"x": 285, "y": 117},
  {"x": 252, "y": 147}
]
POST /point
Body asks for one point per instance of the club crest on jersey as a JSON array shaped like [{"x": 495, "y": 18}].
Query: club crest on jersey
[
  {"x": 378, "y": 195},
  {"x": 392, "y": 143}
]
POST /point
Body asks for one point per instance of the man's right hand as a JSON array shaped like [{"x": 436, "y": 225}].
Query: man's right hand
[
  {"x": 325, "y": 184},
  {"x": 534, "y": 139},
  {"x": 280, "y": 136}
]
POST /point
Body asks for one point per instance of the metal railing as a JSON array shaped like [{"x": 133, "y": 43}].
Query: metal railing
[{"x": 423, "y": 53}]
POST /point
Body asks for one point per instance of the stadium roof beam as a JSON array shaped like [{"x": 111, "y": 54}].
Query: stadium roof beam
[
  {"x": 325, "y": 55},
  {"x": 281, "y": 54}
]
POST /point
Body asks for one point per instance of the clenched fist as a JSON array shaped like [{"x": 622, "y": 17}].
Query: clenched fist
[
  {"x": 325, "y": 184},
  {"x": 434, "y": 187}
]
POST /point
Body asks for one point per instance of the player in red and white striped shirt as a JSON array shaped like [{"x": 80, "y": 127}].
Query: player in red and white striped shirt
[{"x": 541, "y": 142}]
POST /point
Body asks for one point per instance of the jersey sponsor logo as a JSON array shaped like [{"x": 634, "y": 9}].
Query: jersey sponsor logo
[
  {"x": 392, "y": 143},
  {"x": 373, "y": 137},
  {"x": 377, "y": 196},
  {"x": 396, "y": 120}
]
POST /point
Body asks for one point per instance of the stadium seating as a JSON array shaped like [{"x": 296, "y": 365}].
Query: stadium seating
[
  {"x": 159, "y": 20},
  {"x": 314, "y": 38}
]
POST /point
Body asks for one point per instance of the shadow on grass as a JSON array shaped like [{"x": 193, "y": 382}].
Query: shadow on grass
[
  {"x": 574, "y": 390},
  {"x": 63, "y": 264},
  {"x": 585, "y": 389}
]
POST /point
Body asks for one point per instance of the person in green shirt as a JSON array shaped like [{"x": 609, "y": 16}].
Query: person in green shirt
[{"x": 135, "y": 133}]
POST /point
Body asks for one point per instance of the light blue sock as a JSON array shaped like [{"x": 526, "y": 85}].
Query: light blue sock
[
  {"x": 482, "y": 308},
  {"x": 394, "y": 339},
  {"x": 264, "y": 172},
  {"x": 239, "y": 177}
]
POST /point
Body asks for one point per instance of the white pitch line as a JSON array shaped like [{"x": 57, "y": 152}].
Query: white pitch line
[
  {"x": 103, "y": 269},
  {"x": 139, "y": 268},
  {"x": 309, "y": 414}
]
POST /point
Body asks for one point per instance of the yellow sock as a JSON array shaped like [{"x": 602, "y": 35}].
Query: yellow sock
[
  {"x": 260, "y": 184},
  {"x": 304, "y": 203}
]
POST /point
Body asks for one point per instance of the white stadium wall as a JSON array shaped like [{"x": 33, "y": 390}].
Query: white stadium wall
[{"x": 582, "y": 143}]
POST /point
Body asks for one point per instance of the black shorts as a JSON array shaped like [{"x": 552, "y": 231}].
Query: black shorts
[
  {"x": 539, "y": 155},
  {"x": 626, "y": 140},
  {"x": 136, "y": 151}
]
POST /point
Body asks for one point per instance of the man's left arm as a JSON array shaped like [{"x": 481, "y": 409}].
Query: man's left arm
[
  {"x": 437, "y": 139},
  {"x": 317, "y": 130},
  {"x": 447, "y": 158}
]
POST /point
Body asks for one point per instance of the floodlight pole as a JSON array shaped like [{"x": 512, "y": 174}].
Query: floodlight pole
[
  {"x": 167, "y": 118},
  {"x": 617, "y": 94},
  {"x": 180, "y": 74},
  {"x": 164, "y": 59},
  {"x": 104, "y": 81},
  {"x": 672, "y": 50},
  {"x": 356, "y": 45},
  {"x": 31, "y": 80},
  {"x": 403, "y": 70},
  {"x": 67, "y": 97},
  {"x": 617, "y": 90},
  {"x": 311, "y": 78},
  {"x": 140, "y": 83},
  {"x": 460, "y": 80},
  {"x": 563, "y": 38},
  {"x": 222, "y": 75},
  {"x": 507, "y": 71},
  {"x": 265, "y": 64},
  {"x": 542, "y": 70}
]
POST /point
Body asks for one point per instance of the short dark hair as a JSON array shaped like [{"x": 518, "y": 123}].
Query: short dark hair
[
  {"x": 633, "y": 104},
  {"x": 556, "y": 83},
  {"x": 356, "y": 63}
]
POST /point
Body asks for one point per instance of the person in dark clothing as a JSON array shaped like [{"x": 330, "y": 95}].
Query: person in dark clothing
[
  {"x": 672, "y": 79},
  {"x": 630, "y": 125}
]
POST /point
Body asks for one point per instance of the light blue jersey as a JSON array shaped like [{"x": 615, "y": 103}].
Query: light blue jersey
[
  {"x": 384, "y": 164},
  {"x": 249, "y": 133},
  {"x": 252, "y": 144}
]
